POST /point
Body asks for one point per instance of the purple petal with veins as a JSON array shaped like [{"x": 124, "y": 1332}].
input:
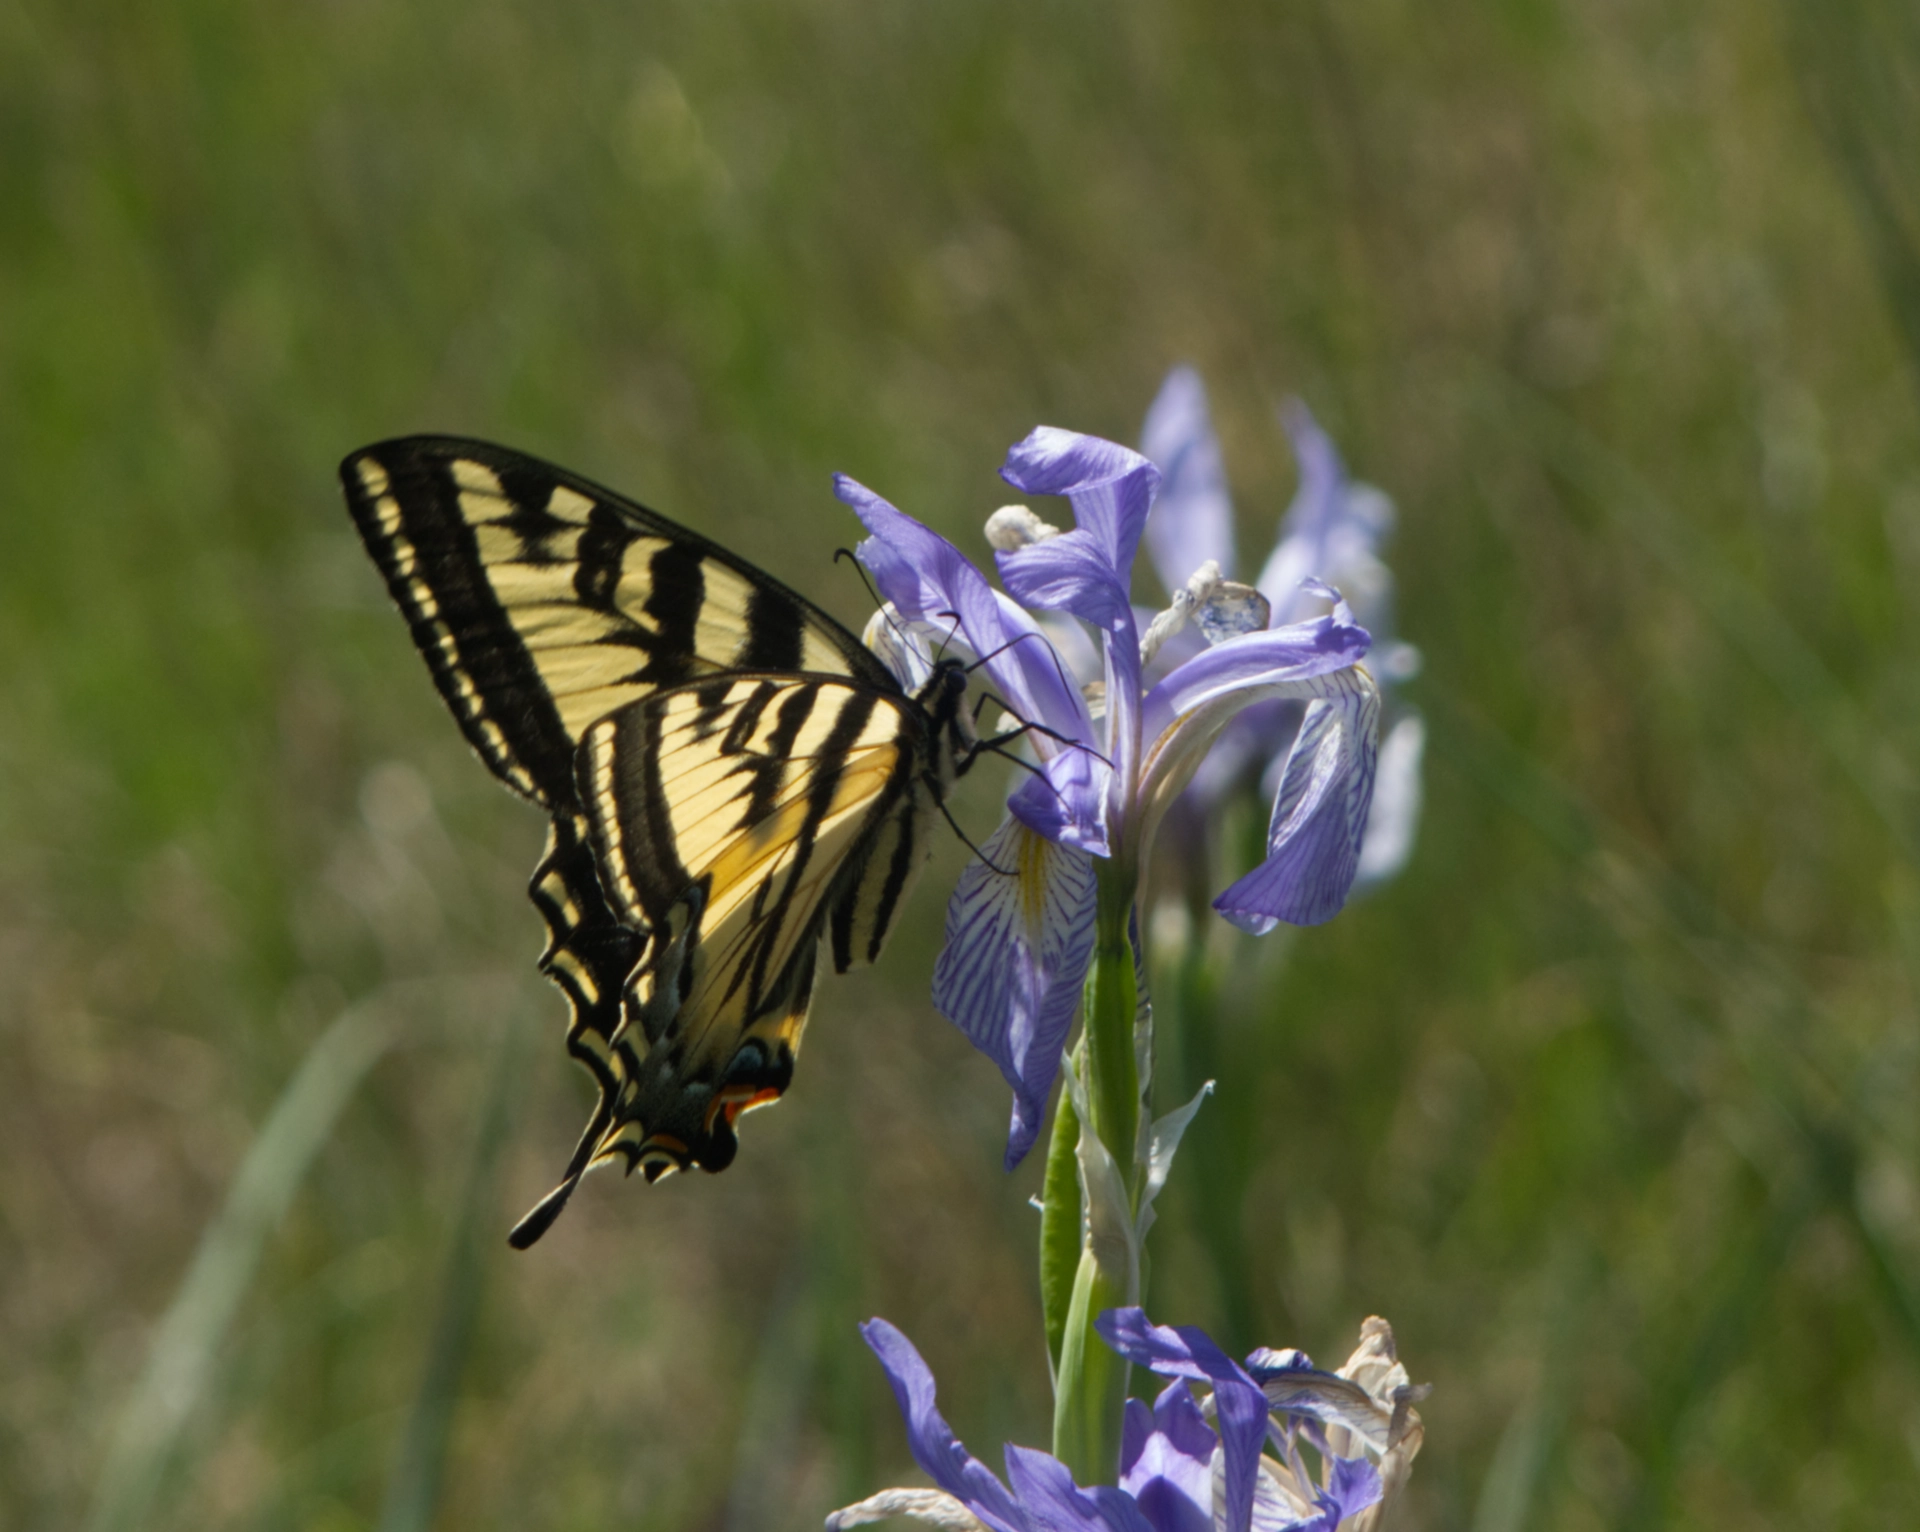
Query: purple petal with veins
[
  {"x": 1297, "y": 652},
  {"x": 1319, "y": 817},
  {"x": 1016, "y": 954}
]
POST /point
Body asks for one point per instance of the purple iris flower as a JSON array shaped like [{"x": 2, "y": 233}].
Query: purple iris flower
[
  {"x": 1186, "y": 1464},
  {"x": 1332, "y": 532},
  {"x": 1111, "y": 757}
]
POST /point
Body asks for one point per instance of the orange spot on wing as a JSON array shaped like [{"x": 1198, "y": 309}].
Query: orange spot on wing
[{"x": 737, "y": 1100}]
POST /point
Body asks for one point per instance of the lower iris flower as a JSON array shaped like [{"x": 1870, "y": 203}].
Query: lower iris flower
[{"x": 1232, "y": 1458}]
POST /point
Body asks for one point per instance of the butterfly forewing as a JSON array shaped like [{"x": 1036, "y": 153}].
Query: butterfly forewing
[
  {"x": 730, "y": 773},
  {"x": 544, "y": 602}
]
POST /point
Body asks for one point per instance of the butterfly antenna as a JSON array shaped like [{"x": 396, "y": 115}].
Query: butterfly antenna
[
  {"x": 865, "y": 579},
  {"x": 860, "y": 569},
  {"x": 1017, "y": 638},
  {"x": 949, "y": 639},
  {"x": 993, "y": 866}
]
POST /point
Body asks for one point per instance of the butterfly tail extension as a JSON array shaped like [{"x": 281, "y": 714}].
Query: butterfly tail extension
[
  {"x": 589, "y": 955},
  {"x": 539, "y": 1218}
]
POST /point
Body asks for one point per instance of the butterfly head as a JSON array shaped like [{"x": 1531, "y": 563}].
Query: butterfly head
[{"x": 942, "y": 698}]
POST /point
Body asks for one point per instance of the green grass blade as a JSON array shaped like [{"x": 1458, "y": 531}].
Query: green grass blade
[
  {"x": 413, "y": 1490},
  {"x": 190, "y": 1335}
]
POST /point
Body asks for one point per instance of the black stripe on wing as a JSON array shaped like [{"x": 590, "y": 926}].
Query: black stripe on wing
[
  {"x": 407, "y": 510},
  {"x": 863, "y": 914}
]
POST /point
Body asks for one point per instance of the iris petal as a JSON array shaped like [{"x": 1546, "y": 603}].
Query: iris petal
[
  {"x": 1068, "y": 802},
  {"x": 1394, "y": 819},
  {"x": 1318, "y": 821},
  {"x": 1354, "y": 1485},
  {"x": 1317, "y": 503},
  {"x": 930, "y": 580},
  {"x": 1068, "y": 573},
  {"x": 1319, "y": 816},
  {"x": 1167, "y": 1461},
  {"x": 1186, "y": 1351},
  {"x": 1315, "y": 647},
  {"x": 1056, "y": 1504},
  {"x": 935, "y": 1448},
  {"x": 1089, "y": 570},
  {"x": 1016, "y": 955},
  {"x": 1192, "y": 520},
  {"x": 1110, "y": 486}
]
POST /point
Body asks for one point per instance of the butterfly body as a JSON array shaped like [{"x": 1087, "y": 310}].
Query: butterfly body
[{"x": 733, "y": 779}]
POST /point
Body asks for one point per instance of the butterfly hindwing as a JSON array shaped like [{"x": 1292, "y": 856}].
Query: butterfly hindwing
[
  {"x": 740, "y": 815},
  {"x": 590, "y": 954}
]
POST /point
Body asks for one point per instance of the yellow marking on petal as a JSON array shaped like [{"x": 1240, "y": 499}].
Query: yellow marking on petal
[{"x": 1030, "y": 867}]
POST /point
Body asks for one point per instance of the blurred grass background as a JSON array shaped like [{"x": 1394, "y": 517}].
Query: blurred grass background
[{"x": 1609, "y": 1103}]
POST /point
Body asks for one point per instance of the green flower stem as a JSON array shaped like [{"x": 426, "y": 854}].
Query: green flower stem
[
  {"x": 1109, "y": 1004},
  {"x": 1060, "y": 1223},
  {"x": 1090, "y": 1382},
  {"x": 1090, "y": 1399}
]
